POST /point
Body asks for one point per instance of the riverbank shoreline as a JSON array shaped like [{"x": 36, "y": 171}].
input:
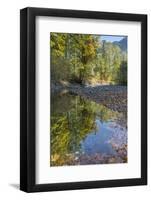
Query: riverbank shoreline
[{"x": 112, "y": 96}]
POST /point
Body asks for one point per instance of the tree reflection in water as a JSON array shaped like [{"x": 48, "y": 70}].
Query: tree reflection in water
[{"x": 83, "y": 132}]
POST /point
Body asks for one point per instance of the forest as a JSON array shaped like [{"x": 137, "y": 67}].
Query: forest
[{"x": 87, "y": 59}]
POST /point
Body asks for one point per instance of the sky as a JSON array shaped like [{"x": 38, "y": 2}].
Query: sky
[{"x": 111, "y": 38}]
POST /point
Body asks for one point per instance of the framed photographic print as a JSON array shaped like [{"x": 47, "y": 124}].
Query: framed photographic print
[{"x": 83, "y": 99}]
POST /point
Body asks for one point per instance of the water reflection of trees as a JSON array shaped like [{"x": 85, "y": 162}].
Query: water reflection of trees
[{"x": 72, "y": 119}]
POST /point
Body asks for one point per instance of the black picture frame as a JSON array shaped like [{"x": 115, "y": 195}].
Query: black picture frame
[{"x": 28, "y": 99}]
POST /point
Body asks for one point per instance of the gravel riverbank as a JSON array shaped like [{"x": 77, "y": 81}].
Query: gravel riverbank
[{"x": 112, "y": 96}]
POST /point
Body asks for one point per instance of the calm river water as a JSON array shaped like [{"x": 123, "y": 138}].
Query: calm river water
[{"x": 84, "y": 132}]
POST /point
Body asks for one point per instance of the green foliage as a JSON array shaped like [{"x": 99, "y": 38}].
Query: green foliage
[
  {"x": 84, "y": 57},
  {"x": 122, "y": 75}
]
